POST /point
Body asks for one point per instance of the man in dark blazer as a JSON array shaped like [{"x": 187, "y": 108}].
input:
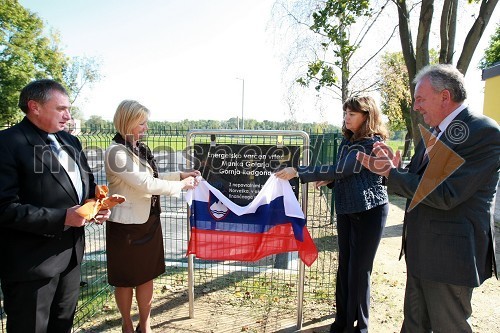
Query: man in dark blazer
[
  {"x": 448, "y": 231},
  {"x": 41, "y": 235}
]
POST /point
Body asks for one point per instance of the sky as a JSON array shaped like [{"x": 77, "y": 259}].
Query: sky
[{"x": 188, "y": 59}]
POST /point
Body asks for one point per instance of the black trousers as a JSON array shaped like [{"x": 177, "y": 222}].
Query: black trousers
[
  {"x": 436, "y": 307},
  {"x": 42, "y": 306},
  {"x": 359, "y": 235}
]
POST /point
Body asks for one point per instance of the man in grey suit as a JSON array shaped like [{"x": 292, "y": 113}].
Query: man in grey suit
[{"x": 450, "y": 184}]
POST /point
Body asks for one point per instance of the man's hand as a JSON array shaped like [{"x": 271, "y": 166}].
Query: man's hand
[
  {"x": 287, "y": 173},
  {"x": 101, "y": 216},
  {"x": 383, "y": 161},
  {"x": 320, "y": 183},
  {"x": 73, "y": 219}
]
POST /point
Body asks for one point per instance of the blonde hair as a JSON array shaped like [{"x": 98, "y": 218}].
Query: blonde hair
[
  {"x": 373, "y": 124},
  {"x": 128, "y": 115}
]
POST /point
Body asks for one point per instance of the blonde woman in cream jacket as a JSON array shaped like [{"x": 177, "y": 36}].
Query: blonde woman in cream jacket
[{"x": 134, "y": 240}]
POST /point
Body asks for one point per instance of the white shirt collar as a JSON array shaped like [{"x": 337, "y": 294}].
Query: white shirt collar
[{"x": 446, "y": 121}]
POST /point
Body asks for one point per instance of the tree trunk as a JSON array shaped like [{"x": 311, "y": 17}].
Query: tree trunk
[
  {"x": 345, "y": 80},
  {"x": 406, "y": 38},
  {"x": 424, "y": 30},
  {"x": 475, "y": 33},
  {"x": 448, "y": 29},
  {"x": 416, "y": 59},
  {"x": 409, "y": 55},
  {"x": 407, "y": 110}
]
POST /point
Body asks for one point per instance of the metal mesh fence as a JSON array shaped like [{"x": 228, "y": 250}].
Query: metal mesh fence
[
  {"x": 94, "y": 287},
  {"x": 245, "y": 283}
]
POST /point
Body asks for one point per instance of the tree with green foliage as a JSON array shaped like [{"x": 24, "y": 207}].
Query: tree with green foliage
[
  {"x": 492, "y": 52},
  {"x": 329, "y": 45},
  {"x": 76, "y": 113},
  {"x": 417, "y": 53},
  {"x": 396, "y": 99},
  {"x": 97, "y": 124},
  {"x": 336, "y": 18},
  {"x": 81, "y": 72},
  {"x": 27, "y": 53},
  {"x": 394, "y": 91},
  {"x": 395, "y": 95},
  {"x": 334, "y": 23}
]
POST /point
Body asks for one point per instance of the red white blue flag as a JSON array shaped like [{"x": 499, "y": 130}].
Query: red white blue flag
[{"x": 272, "y": 223}]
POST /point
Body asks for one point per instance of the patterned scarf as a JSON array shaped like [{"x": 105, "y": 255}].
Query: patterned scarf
[{"x": 144, "y": 153}]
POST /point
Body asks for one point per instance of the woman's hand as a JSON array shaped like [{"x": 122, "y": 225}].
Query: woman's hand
[
  {"x": 189, "y": 178},
  {"x": 189, "y": 183},
  {"x": 320, "y": 183},
  {"x": 101, "y": 216},
  {"x": 287, "y": 173},
  {"x": 194, "y": 173}
]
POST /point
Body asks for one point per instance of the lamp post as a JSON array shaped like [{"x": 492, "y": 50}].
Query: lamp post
[{"x": 242, "y": 102}]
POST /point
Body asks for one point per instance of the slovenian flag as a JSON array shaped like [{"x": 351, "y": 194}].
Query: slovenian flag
[{"x": 272, "y": 223}]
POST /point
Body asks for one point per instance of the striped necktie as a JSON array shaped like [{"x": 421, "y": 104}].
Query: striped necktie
[
  {"x": 431, "y": 143},
  {"x": 69, "y": 165}
]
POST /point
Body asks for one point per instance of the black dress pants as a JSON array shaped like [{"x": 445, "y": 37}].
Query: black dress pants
[
  {"x": 359, "y": 235},
  {"x": 45, "y": 305}
]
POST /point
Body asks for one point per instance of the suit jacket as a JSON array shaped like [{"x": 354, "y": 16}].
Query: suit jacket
[
  {"x": 449, "y": 236},
  {"x": 132, "y": 177},
  {"x": 35, "y": 192}
]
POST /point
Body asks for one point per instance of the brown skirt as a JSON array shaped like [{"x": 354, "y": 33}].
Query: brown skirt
[{"x": 135, "y": 252}]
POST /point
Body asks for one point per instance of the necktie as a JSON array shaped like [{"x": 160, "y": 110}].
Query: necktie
[
  {"x": 68, "y": 164},
  {"x": 430, "y": 144}
]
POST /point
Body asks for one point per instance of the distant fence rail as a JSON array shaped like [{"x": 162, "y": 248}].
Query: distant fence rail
[{"x": 168, "y": 145}]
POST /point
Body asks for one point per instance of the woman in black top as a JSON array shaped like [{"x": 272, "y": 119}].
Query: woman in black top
[{"x": 361, "y": 205}]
